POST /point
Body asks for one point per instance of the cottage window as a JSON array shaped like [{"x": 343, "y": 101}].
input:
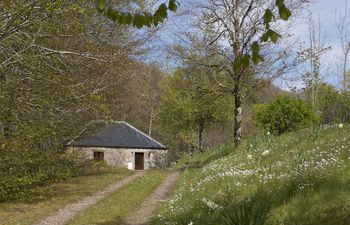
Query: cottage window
[{"x": 98, "y": 155}]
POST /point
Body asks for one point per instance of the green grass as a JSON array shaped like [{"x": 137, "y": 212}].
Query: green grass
[
  {"x": 116, "y": 207},
  {"x": 93, "y": 178},
  {"x": 303, "y": 178},
  {"x": 199, "y": 160}
]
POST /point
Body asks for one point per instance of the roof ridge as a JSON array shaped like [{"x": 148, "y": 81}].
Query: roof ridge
[
  {"x": 148, "y": 142},
  {"x": 131, "y": 126}
]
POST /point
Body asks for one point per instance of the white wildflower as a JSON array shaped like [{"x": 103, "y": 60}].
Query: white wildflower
[
  {"x": 266, "y": 152},
  {"x": 249, "y": 156},
  {"x": 268, "y": 133},
  {"x": 209, "y": 203},
  {"x": 341, "y": 125},
  {"x": 190, "y": 223}
]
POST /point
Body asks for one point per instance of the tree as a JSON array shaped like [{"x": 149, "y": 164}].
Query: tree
[
  {"x": 189, "y": 105},
  {"x": 231, "y": 40},
  {"x": 313, "y": 53},
  {"x": 333, "y": 105},
  {"x": 235, "y": 15},
  {"x": 330, "y": 104},
  {"x": 58, "y": 65},
  {"x": 344, "y": 38},
  {"x": 151, "y": 94},
  {"x": 285, "y": 114},
  {"x": 145, "y": 18}
]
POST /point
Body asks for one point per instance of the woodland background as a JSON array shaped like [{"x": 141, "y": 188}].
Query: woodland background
[{"x": 62, "y": 65}]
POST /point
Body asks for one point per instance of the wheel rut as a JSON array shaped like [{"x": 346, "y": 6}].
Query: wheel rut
[{"x": 144, "y": 213}]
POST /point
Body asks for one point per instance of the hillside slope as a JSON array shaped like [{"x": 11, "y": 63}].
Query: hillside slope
[{"x": 297, "y": 178}]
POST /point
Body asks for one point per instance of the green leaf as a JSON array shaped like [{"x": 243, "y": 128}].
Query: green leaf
[
  {"x": 285, "y": 13},
  {"x": 138, "y": 21},
  {"x": 265, "y": 37},
  {"x": 147, "y": 19},
  {"x": 268, "y": 16},
  {"x": 172, "y": 5},
  {"x": 279, "y": 3},
  {"x": 274, "y": 36},
  {"x": 120, "y": 18},
  {"x": 255, "y": 47},
  {"x": 128, "y": 18},
  {"x": 101, "y": 5},
  {"x": 256, "y": 58},
  {"x": 160, "y": 14},
  {"x": 113, "y": 15},
  {"x": 163, "y": 10},
  {"x": 238, "y": 65},
  {"x": 246, "y": 61}
]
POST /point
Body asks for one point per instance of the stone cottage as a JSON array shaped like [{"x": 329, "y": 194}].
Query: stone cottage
[{"x": 121, "y": 144}]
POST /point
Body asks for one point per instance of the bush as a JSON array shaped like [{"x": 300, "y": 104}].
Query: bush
[
  {"x": 284, "y": 114},
  {"x": 249, "y": 211},
  {"x": 91, "y": 167},
  {"x": 24, "y": 171}
]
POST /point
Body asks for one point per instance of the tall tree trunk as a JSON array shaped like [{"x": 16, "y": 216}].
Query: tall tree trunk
[
  {"x": 345, "y": 78},
  {"x": 237, "y": 133},
  {"x": 237, "y": 75},
  {"x": 150, "y": 123},
  {"x": 200, "y": 136}
]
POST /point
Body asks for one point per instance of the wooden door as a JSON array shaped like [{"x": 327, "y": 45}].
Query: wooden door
[{"x": 139, "y": 161}]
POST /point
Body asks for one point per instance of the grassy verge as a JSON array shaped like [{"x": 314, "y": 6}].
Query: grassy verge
[
  {"x": 297, "y": 178},
  {"x": 116, "y": 207},
  {"x": 199, "y": 160},
  {"x": 57, "y": 196}
]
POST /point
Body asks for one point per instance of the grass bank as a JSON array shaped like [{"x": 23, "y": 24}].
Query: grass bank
[
  {"x": 92, "y": 178},
  {"x": 115, "y": 208},
  {"x": 297, "y": 178}
]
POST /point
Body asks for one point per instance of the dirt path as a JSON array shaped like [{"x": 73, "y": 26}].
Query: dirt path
[
  {"x": 69, "y": 211},
  {"x": 142, "y": 215}
]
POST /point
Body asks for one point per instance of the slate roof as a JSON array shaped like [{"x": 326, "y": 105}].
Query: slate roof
[{"x": 115, "y": 135}]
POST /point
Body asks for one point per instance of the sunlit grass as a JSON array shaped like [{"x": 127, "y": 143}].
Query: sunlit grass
[
  {"x": 116, "y": 207},
  {"x": 306, "y": 179},
  {"x": 54, "y": 197}
]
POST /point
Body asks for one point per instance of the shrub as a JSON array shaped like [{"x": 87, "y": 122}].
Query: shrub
[
  {"x": 91, "y": 167},
  {"x": 24, "y": 172},
  {"x": 249, "y": 211},
  {"x": 284, "y": 114}
]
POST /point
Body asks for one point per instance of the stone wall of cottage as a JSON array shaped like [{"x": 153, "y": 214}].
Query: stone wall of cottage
[{"x": 153, "y": 158}]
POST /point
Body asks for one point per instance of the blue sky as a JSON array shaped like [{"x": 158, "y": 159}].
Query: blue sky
[
  {"x": 322, "y": 10},
  {"x": 325, "y": 12}
]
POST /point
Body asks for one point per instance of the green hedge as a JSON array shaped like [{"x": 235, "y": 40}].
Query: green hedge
[{"x": 24, "y": 172}]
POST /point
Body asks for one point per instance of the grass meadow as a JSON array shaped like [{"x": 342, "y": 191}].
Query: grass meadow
[
  {"x": 93, "y": 177},
  {"x": 297, "y": 178}
]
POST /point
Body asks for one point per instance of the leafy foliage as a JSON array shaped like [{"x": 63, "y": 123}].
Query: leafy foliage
[
  {"x": 268, "y": 35},
  {"x": 333, "y": 105},
  {"x": 51, "y": 54},
  {"x": 189, "y": 105},
  {"x": 22, "y": 176},
  {"x": 138, "y": 20},
  {"x": 284, "y": 114}
]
